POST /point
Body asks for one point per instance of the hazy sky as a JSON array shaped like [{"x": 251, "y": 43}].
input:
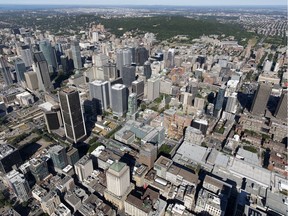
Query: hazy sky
[{"x": 149, "y": 2}]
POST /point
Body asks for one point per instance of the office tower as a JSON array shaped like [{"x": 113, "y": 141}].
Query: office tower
[
  {"x": 119, "y": 96},
  {"x": 267, "y": 66},
  {"x": 83, "y": 168},
  {"x": 169, "y": 58},
  {"x": 58, "y": 156},
  {"x": 141, "y": 55},
  {"x": 31, "y": 80},
  {"x": 49, "y": 54},
  {"x": 110, "y": 71},
  {"x": 153, "y": 88},
  {"x": 76, "y": 55},
  {"x": 53, "y": 117},
  {"x": 3, "y": 109},
  {"x": 219, "y": 101},
  {"x": 123, "y": 57},
  {"x": 9, "y": 157},
  {"x": 133, "y": 53},
  {"x": 199, "y": 103},
  {"x": 128, "y": 75},
  {"x": 5, "y": 71},
  {"x": 201, "y": 125},
  {"x": 19, "y": 185},
  {"x": 138, "y": 88},
  {"x": 132, "y": 104},
  {"x": 95, "y": 37},
  {"x": 64, "y": 63},
  {"x": 281, "y": 110},
  {"x": 147, "y": 70},
  {"x": 261, "y": 98},
  {"x": 39, "y": 169},
  {"x": 26, "y": 56},
  {"x": 186, "y": 98},
  {"x": 148, "y": 154},
  {"x": 72, "y": 156},
  {"x": 231, "y": 105},
  {"x": 118, "y": 178},
  {"x": 99, "y": 94},
  {"x": 40, "y": 66},
  {"x": 72, "y": 114},
  {"x": 20, "y": 70}
]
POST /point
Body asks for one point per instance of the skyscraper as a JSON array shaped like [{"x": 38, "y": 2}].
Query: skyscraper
[
  {"x": 119, "y": 95},
  {"x": 123, "y": 57},
  {"x": 83, "y": 168},
  {"x": 26, "y": 56},
  {"x": 281, "y": 110},
  {"x": 40, "y": 66},
  {"x": 153, "y": 88},
  {"x": 58, "y": 156},
  {"x": 110, "y": 71},
  {"x": 72, "y": 114},
  {"x": 231, "y": 105},
  {"x": 138, "y": 88},
  {"x": 132, "y": 104},
  {"x": 5, "y": 71},
  {"x": 76, "y": 55},
  {"x": 118, "y": 178},
  {"x": 141, "y": 55},
  {"x": 128, "y": 75},
  {"x": 39, "y": 169},
  {"x": 219, "y": 101},
  {"x": 31, "y": 80},
  {"x": 20, "y": 70},
  {"x": 49, "y": 54},
  {"x": 261, "y": 98},
  {"x": 19, "y": 185},
  {"x": 99, "y": 94},
  {"x": 9, "y": 157},
  {"x": 147, "y": 70}
]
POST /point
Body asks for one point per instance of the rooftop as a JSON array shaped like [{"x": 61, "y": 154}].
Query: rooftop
[{"x": 117, "y": 166}]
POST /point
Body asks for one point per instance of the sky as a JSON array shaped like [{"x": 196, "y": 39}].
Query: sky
[{"x": 147, "y": 2}]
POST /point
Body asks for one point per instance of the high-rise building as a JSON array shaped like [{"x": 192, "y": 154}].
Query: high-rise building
[
  {"x": 76, "y": 55},
  {"x": 141, "y": 55},
  {"x": 231, "y": 105},
  {"x": 132, "y": 104},
  {"x": 26, "y": 56},
  {"x": 261, "y": 99},
  {"x": 219, "y": 101},
  {"x": 138, "y": 88},
  {"x": 148, "y": 154},
  {"x": 99, "y": 94},
  {"x": 153, "y": 88},
  {"x": 169, "y": 58},
  {"x": 19, "y": 185},
  {"x": 39, "y": 169},
  {"x": 52, "y": 115},
  {"x": 147, "y": 70},
  {"x": 281, "y": 110},
  {"x": 123, "y": 57},
  {"x": 64, "y": 63},
  {"x": 118, "y": 178},
  {"x": 58, "y": 156},
  {"x": 5, "y": 71},
  {"x": 128, "y": 74},
  {"x": 49, "y": 54},
  {"x": 40, "y": 66},
  {"x": 31, "y": 80},
  {"x": 72, "y": 155},
  {"x": 9, "y": 157},
  {"x": 119, "y": 96},
  {"x": 110, "y": 71},
  {"x": 72, "y": 114},
  {"x": 20, "y": 70},
  {"x": 83, "y": 168}
]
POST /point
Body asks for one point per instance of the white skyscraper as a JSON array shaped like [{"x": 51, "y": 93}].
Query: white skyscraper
[
  {"x": 99, "y": 94},
  {"x": 118, "y": 178},
  {"x": 19, "y": 185},
  {"x": 119, "y": 96},
  {"x": 76, "y": 55},
  {"x": 83, "y": 168},
  {"x": 26, "y": 56},
  {"x": 153, "y": 88},
  {"x": 231, "y": 105}
]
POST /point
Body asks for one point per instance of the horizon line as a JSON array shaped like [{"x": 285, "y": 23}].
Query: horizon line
[{"x": 29, "y": 4}]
